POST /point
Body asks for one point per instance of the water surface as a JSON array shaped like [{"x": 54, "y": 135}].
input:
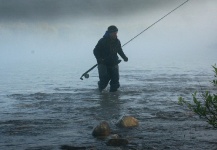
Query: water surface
[{"x": 45, "y": 105}]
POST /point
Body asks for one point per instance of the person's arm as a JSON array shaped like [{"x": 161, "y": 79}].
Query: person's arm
[{"x": 121, "y": 53}]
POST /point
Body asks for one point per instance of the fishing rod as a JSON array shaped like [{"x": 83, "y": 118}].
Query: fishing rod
[{"x": 86, "y": 75}]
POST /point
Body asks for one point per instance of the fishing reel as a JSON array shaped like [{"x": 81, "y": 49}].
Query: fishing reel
[{"x": 86, "y": 75}]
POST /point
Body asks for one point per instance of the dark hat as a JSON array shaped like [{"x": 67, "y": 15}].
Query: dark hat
[{"x": 112, "y": 28}]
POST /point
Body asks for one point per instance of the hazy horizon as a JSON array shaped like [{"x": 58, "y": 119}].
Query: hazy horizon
[{"x": 67, "y": 29}]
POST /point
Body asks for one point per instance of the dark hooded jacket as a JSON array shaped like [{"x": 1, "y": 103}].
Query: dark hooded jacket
[{"x": 107, "y": 49}]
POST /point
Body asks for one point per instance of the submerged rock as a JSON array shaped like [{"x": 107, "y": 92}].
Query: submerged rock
[
  {"x": 67, "y": 147},
  {"x": 102, "y": 129},
  {"x": 114, "y": 136},
  {"x": 117, "y": 142},
  {"x": 128, "y": 122}
]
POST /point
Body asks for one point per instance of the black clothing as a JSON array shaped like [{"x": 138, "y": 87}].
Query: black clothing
[
  {"x": 106, "y": 74},
  {"x": 106, "y": 51},
  {"x": 112, "y": 28}
]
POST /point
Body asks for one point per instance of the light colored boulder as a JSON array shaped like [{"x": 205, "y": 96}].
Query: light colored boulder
[{"x": 128, "y": 122}]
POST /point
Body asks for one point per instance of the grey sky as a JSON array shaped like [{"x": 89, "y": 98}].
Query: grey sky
[
  {"x": 66, "y": 26},
  {"x": 58, "y": 9}
]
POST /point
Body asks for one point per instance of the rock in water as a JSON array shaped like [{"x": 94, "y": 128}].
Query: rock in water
[
  {"x": 67, "y": 147},
  {"x": 128, "y": 122},
  {"x": 102, "y": 129},
  {"x": 117, "y": 142}
]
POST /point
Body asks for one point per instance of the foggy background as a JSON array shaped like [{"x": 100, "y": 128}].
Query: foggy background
[
  {"x": 67, "y": 31},
  {"x": 46, "y": 45}
]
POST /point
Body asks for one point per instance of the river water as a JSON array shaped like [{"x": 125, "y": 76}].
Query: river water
[
  {"x": 44, "y": 105},
  {"x": 44, "y": 49}
]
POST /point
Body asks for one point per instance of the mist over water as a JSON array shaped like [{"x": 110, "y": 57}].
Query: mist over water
[
  {"x": 185, "y": 34},
  {"x": 45, "y": 46}
]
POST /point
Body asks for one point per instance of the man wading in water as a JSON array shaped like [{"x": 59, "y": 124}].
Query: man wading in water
[{"x": 106, "y": 52}]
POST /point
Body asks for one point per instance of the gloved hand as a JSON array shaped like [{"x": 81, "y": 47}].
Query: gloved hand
[{"x": 125, "y": 59}]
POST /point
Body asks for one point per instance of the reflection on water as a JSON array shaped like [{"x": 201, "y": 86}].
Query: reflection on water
[{"x": 64, "y": 113}]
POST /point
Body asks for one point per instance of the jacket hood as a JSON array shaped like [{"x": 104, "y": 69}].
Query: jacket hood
[{"x": 106, "y": 35}]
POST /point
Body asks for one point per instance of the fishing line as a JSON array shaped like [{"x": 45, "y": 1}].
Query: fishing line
[
  {"x": 154, "y": 23},
  {"x": 86, "y": 75}
]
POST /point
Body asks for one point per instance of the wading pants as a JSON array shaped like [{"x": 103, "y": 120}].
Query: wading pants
[{"x": 106, "y": 74}]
